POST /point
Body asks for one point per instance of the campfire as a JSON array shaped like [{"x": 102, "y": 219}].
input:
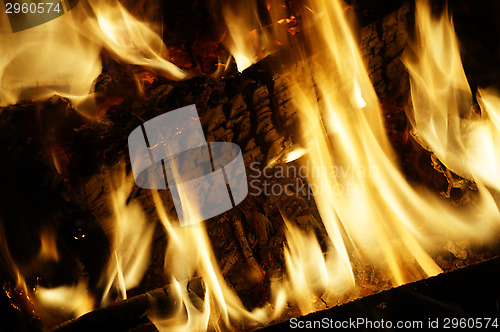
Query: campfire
[{"x": 240, "y": 164}]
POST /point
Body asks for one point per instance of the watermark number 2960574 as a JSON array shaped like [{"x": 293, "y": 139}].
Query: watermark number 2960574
[
  {"x": 26, "y": 14},
  {"x": 32, "y": 7}
]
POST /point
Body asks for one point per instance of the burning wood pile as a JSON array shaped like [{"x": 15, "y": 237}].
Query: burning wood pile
[{"x": 371, "y": 160}]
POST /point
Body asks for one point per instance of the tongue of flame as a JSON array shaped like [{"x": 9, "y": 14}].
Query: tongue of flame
[
  {"x": 63, "y": 56},
  {"x": 250, "y": 38},
  {"x": 131, "y": 241},
  {"x": 443, "y": 115}
]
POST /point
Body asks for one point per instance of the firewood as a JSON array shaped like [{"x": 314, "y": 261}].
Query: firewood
[{"x": 251, "y": 109}]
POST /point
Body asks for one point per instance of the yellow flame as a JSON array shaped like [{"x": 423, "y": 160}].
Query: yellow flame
[
  {"x": 131, "y": 240},
  {"x": 48, "y": 248},
  {"x": 309, "y": 272},
  {"x": 443, "y": 117},
  {"x": 51, "y": 58},
  {"x": 62, "y": 56},
  {"x": 189, "y": 253},
  {"x": 294, "y": 154},
  {"x": 73, "y": 300},
  {"x": 133, "y": 41},
  {"x": 250, "y": 39}
]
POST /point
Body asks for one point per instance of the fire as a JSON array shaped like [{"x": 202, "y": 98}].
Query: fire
[
  {"x": 62, "y": 56},
  {"x": 466, "y": 141},
  {"x": 251, "y": 39},
  {"x": 49, "y": 304},
  {"x": 385, "y": 222},
  {"x": 66, "y": 62},
  {"x": 131, "y": 236},
  {"x": 371, "y": 215},
  {"x": 74, "y": 301},
  {"x": 309, "y": 271},
  {"x": 131, "y": 40},
  {"x": 48, "y": 248},
  {"x": 189, "y": 254},
  {"x": 131, "y": 241},
  {"x": 344, "y": 130}
]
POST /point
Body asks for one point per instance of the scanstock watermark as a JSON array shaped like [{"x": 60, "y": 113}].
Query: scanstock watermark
[
  {"x": 204, "y": 179},
  {"x": 355, "y": 323},
  {"x": 26, "y": 14},
  {"x": 267, "y": 180},
  {"x": 361, "y": 323}
]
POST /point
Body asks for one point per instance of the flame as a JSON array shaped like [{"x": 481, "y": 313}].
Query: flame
[
  {"x": 51, "y": 58},
  {"x": 189, "y": 253},
  {"x": 368, "y": 208},
  {"x": 250, "y": 38},
  {"x": 73, "y": 300},
  {"x": 131, "y": 240},
  {"x": 132, "y": 40},
  {"x": 48, "y": 248},
  {"x": 310, "y": 273},
  {"x": 294, "y": 154},
  {"x": 443, "y": 115},
  {"x": 62, "y": 56}
]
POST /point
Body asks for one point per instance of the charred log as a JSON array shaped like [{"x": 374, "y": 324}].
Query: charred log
[{"x": 251, "y": 110}]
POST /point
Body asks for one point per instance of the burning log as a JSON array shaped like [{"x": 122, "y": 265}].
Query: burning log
[
  {"x": 251, "y": 109},
  {"x": 122, "y": 315},
  {"x": 438, "y": 297},
  {"x": 254, "y": 111}
]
